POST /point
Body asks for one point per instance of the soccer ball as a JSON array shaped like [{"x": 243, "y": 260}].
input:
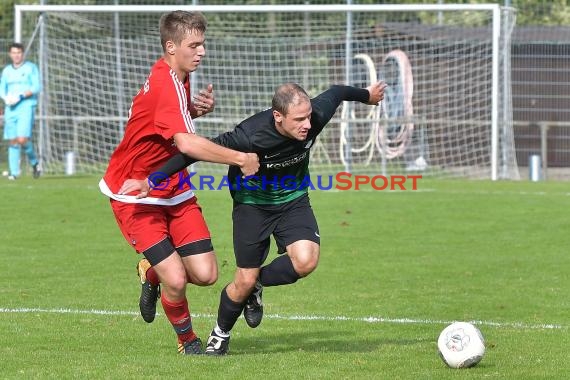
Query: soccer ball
[{"x": 461, "y": 345}]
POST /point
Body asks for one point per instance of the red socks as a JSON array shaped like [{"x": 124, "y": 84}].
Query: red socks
[
  {"x": 152, "y": 277},
  {"x": 179, "y": 316}
]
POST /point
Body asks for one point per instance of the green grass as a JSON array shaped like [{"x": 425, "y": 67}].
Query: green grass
[{"x": 496, "y": 253}]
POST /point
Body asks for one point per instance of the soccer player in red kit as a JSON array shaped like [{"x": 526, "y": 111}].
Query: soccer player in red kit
[{"x": 168, "y": 228}]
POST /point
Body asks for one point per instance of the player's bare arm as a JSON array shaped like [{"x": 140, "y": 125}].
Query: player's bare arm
[
  {"x": 202, "y": 149},
  {"x": 204, "y": 102},
  {"x": 376, "y": 91}
]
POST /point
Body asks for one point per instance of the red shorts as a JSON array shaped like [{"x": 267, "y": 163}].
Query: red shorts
[{"x": 144, "y": 225}]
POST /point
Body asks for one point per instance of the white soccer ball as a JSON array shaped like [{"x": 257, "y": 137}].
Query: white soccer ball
[{"x": 461, "y": 345}]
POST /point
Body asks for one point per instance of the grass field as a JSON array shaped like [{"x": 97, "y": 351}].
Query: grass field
[{"x": 395, "y": 268}]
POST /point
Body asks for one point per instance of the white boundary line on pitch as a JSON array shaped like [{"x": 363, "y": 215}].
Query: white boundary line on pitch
[{"x": 516, "y": 325}]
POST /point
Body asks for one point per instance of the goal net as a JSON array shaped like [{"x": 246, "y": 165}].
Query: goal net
[{"x": 446, "y": 113}]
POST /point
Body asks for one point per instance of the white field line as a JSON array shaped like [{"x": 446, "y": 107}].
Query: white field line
[{"x": 514, "y": 325}]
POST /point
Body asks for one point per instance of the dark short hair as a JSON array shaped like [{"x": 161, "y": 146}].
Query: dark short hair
[
  {"x": 286, "y": 95},
  {"x": 175, "y": 25},
  {"x": 16, "y": 45}
]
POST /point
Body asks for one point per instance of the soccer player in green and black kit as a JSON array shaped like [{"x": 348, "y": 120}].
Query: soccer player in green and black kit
[{"x": 274, "y": 201}]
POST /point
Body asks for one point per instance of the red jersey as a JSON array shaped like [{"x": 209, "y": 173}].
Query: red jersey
[{"x": 159, "y": 110}]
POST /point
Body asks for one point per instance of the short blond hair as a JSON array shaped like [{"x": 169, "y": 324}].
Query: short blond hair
[{"x": 176, "y": 25}]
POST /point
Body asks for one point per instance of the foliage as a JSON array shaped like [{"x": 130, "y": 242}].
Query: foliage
[
  {"x": 555, "y": 12},
  {"x": 530, "y": 12}
]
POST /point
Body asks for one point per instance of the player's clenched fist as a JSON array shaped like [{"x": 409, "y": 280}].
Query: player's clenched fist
[{"x": 250, "y": 165}]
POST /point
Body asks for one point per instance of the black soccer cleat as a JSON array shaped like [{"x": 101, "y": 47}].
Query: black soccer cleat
[
  {"x": 149, "y": 293},
  {"x": 193, "y": 347},
  {"x": 37, "y": 171},
  {"x": 253, "y": 310},
  {"x": 217, "y": 346}
]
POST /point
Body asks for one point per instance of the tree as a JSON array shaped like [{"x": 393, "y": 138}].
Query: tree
[{"x": 530, "y": 12}]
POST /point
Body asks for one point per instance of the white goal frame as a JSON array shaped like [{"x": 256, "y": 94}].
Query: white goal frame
[{"x": 495, "y": 9}]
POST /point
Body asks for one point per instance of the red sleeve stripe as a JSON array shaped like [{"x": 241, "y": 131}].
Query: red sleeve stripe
[{"x": 183, "y": 102}]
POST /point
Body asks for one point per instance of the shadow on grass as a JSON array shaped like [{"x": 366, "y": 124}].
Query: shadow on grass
[{"x": 315, "y": 341}]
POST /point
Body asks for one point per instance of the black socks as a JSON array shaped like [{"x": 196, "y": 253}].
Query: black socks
[{"x": 278, "y": 272}]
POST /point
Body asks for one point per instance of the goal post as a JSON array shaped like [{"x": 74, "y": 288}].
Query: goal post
[{"x": 455, "y": 120}]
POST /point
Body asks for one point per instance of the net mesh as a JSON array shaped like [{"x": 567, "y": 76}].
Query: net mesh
[{"x": 94, "y": 63}]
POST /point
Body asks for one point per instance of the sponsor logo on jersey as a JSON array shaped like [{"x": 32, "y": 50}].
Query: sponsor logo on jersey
[
  {"x": 287, "y": 163},
  {"x": 272, "y": 155}
]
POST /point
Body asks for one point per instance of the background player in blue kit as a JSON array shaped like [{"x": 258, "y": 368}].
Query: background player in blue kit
[{"x": 20, "y": 85}]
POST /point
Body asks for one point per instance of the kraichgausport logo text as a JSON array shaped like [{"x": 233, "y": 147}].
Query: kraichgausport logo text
[{"x": 339, "y": 181}]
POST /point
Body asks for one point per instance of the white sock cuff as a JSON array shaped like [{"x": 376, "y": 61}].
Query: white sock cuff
[{"x": 221, "y": 333}]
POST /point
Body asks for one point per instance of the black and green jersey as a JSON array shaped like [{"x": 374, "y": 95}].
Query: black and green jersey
[{"x": 284, "y": 162}]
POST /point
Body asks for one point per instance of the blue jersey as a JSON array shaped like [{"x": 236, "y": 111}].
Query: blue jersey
[{"x": 16, "y": 81}]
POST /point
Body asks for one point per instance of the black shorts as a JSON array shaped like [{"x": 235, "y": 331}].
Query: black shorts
[{"x": 254, "y": 224}]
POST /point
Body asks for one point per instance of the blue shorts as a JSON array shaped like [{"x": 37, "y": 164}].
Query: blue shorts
[{"x": 19, "y": 121}]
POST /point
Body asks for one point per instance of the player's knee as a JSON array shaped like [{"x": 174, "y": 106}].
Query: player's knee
[
  {"x": 204, "y": 278},
  {"x": 201, "y": 269},
  {"x": 245, "y": 282},
  {"x": 210, "y": 280},
  {"x": 176, "y": 285},
  {"x": 306, "y": 262},
  {"x": 307, "y": 268}
]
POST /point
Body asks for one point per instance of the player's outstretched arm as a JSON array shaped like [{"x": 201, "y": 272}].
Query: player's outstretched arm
[
  {"x": 203, "y": 149},
  {"x": 193, "y": 148},
  {"x": 325, "y": 104},
  {"x": 236, "y": 140},
  {"x": 143, "y": 187}
]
